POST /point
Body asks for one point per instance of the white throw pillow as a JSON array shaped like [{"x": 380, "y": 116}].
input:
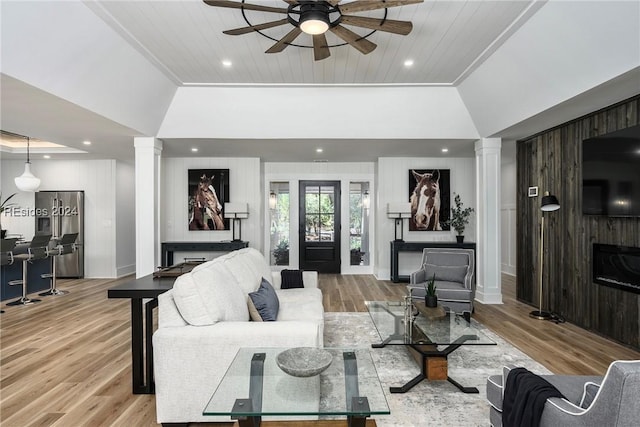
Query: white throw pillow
[{"x": 208, "y": 296}]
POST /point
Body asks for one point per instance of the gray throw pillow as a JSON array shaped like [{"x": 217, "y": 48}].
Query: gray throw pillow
[
  {"x": 266, "y": 301},
  {"x": 446, "y": 273}
]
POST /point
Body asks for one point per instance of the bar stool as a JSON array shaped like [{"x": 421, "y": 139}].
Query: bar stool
[
  {"x": 6, "y": 255},
  {"x": 38, "y": 249},
  {"x": 66, "y": 245}
]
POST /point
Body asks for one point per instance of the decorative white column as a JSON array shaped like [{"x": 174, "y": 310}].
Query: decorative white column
[
  {"x": 148, "y": 156},
  {"x": 488, "y": 256}
]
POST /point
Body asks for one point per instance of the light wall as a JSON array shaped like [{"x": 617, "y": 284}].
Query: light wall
[
  {"x": 244, "y": 184},
  {"x": 508, "y": 214},
  {"x": 393, "y": 187},
  {"x": 100, "y": 181}
]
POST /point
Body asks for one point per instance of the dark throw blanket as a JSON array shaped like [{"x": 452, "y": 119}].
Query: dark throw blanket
[
  {"x": 291, "y": 279},
  {"x": 525, "y": 394}
]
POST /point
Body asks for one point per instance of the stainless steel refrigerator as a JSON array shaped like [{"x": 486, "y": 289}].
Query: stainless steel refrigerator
[{"x": 59, "y": 213}]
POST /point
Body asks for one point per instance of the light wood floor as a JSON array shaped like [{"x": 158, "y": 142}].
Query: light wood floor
[{"x": 66, "y": 360}]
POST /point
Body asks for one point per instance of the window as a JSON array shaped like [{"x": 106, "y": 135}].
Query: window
[
  {"x": 359, "y": 202},
  {"x": 279, "y": 223},
  {"x": 320, "y": 212}
]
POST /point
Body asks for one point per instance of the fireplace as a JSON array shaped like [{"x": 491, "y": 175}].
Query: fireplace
[{"x": 617, "y": 266}]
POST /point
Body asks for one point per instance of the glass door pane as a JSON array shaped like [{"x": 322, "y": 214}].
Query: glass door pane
[{"x": 279, "y": 223}]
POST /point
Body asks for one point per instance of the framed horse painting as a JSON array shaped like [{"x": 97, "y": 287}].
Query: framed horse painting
[
  {"x": 430, "y": 199},
  {"x": 208, "y": 191}
]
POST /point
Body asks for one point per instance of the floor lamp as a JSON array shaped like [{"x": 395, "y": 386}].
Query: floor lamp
[{"x": 549, "y": 203}]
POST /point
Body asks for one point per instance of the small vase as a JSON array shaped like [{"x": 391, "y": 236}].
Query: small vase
[
  {"x": 431, "y": 300},
  {"x": 460, "y": 239}
]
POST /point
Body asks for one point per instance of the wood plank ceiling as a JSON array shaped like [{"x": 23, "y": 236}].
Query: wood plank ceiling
[{"x": 184, "y": 37}]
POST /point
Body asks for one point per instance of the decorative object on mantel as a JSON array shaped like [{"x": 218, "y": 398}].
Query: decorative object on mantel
[
  {"x": 27, "y": 181},
  {"x": 459, "y": 217},
  {"x": 304, "y": 361},
  {"x": 430, "y": 297},
  {"x": 316, "y": 17},
  {"x": 399, "y": 211},
  {"x": 549, "y": 203},
  {"x": 4, "y": 205},
  {"x": 236, "y": 211}
]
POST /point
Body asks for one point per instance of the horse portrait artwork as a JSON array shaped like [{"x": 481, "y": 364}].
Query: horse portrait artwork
[
  {"x": 208, "y": 190},
  {"x": 429, "y": 197}
]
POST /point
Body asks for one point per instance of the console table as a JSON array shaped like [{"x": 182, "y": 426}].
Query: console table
[
  {"x": 400, "y": 246},
  {"x": 168, "y": 248}
]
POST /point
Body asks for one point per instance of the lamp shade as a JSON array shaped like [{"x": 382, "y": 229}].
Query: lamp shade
[
  {"x": 399, "y": 210},
  {"x": 27, "y": 181},
  {"x": 236, "y": 210},
  {"x": 549, "y": 203}
]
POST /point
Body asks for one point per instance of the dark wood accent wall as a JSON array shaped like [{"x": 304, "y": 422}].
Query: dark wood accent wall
[{"x": 552, "y": 161}]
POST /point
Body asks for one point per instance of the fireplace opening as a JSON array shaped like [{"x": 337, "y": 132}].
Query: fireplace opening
[{"x": 617, "y": 266}]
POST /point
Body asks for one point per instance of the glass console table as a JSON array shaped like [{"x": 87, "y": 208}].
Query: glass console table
[
  {"x": 430, "y": 334},
  {"x": 255, "y": 387}
]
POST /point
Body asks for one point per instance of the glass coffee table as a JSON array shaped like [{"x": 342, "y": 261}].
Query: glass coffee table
[
  {"x": 255, "y": 387},
  {"x": 430, "y": 334}
]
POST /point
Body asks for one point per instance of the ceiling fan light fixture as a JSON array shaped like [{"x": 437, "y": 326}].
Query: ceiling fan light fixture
[
  {"x": 314, "y": 18},
  {"x": 314, "y": 26}
]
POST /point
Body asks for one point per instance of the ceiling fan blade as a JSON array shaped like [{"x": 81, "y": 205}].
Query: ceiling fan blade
[
  {"x": 363, "y": 45},
  {"x": 252, "y": 28},
  {"x": 247, "y": 6},
  {"x": 361, "y": 5},
  {"x": 388, "y": 25},
  {"x": 320, "y": 47},
  {"x": 284, "y": 42}
]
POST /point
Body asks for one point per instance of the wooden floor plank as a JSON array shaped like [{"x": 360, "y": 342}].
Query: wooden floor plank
[{"x": 66, "y": 361}]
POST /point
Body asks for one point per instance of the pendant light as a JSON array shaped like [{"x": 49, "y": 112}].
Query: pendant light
[{"x": 27, "y": 181}]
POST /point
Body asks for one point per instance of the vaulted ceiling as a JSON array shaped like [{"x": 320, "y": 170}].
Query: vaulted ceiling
[{"x": 111, "y": 70}]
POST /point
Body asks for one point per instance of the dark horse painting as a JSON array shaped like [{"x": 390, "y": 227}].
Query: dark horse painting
[
  {"x": 429, "y": 197},
  {"x": 208, "y": 190}
]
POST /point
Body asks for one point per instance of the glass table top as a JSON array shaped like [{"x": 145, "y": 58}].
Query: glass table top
[
  {"x": 254, "y": 386},
  {"x": 401, "y": 323}
]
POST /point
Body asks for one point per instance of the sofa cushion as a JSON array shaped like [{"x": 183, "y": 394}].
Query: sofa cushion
[
  {"x": 590, "y": 392},
  {"x": 266, "y": 301},
  {"x": 209, "y": 295},
  {"x": 446, "y": 273},
  {"x": 253, "y": 311},
  {"x": 300, "y": 304},
  {"x": 243, "y": 270}
]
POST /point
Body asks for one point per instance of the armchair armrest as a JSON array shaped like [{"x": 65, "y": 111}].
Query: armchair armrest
[{"x": 418, "y": 277}]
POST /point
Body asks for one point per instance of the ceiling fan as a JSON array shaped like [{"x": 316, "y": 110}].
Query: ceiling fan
[{"x": 317, "y": 17}]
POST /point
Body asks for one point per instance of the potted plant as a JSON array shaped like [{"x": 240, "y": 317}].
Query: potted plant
[
  {"x": 430, "y": 297},
  {"x": 4, "y": 205},
  {"x": 459, "y": 217},
  {"x": 281, "y": 253}
]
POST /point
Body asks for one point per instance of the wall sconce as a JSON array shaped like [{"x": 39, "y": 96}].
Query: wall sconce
[
  {"x": 273, "y": 200},
  {"x": 399, "y": 211},
  {"x": 366, "y": 200},
  {"x": 236, "y": 211}
]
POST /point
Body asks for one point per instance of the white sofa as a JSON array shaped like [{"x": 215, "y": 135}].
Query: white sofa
[{"x": 204, "y": 320}]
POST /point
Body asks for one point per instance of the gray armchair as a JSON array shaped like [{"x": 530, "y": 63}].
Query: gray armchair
[
  {"x": 454, "y": 273},
  {"x": 590, "y": 400}
]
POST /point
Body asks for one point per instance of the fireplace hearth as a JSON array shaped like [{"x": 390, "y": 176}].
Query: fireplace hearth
[{"x": 617, "y": 266}]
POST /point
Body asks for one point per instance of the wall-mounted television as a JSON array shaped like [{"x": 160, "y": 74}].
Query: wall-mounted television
[{"x": 611, "y": 173}]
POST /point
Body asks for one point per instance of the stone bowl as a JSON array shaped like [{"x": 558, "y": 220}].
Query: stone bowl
[{"x": 304, "y": 361}]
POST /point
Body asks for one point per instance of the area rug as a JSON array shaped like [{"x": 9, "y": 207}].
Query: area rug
[{"x": 430, "y": 403}]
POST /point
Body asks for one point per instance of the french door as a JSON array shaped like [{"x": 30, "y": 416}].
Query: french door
[{"x": 319, "y": 226}]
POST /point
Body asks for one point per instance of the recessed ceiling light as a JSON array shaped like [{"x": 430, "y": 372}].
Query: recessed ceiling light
[
  {"x": 445, "y": 150},
  {"x": 408, "y": 63},
  {"x": 226, "y": 63},
  {"x": 86, "y": 142},
  {"x": 46, "y": 156},
  {"x": 195, "y": 150},
  {"x": 319, "y": 150}
]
